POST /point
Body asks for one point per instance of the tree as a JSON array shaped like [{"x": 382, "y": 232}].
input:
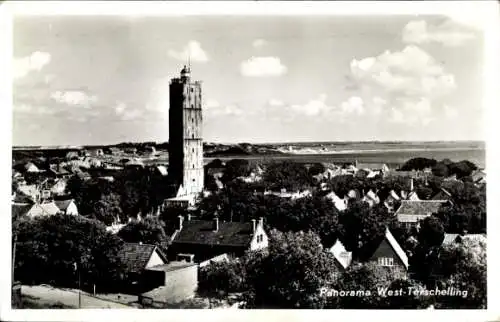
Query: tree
[
  {"x": 431, "y": 233},
  {"x": 222, "y": 278},
  {"x": 464, "y": 269},
  {"x": 316, "y": 169},
  {"x": 287, "y": 175},
  {"x": 441, "y": 170},
  {"x": 362, "y": 228},
  {"x": 236, "y": 168},
  {"x": 49, "y": 247},
  {"x": 418, "y": 164},
  {"x": 368, "y": 278},
  {"x": 149, "y": 231},
  {"x": 292, "y": 273}
]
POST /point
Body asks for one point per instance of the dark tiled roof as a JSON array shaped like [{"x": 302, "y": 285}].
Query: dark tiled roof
[
  {"x": 201, "y": 232},
  {"x": 136, "y": 256},
  {"x": 427, "y": 207},
  {"x": 63, "y": 204},
  {"x": 443, "y": 194}
]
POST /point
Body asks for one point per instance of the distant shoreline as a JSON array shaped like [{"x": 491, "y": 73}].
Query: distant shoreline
[{"x": 298, "y": 143}]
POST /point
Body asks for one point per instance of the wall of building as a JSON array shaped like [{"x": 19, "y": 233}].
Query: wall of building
[
  {"x": 254, "y": 245},
  {"x": 155, "y": 260},
  {"x": 386, "y": 250}
]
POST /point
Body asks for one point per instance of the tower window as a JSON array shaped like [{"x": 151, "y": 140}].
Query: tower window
[
  {"x": 192, "y": 106},
  {"x": 193, "y": 136},
  {"x": 193, "y": 166},
  {"x": 192, "y": 120},
  {"x": 191, "y": 89}
]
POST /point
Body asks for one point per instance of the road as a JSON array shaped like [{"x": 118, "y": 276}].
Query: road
[{"x": 69, "y": 297}]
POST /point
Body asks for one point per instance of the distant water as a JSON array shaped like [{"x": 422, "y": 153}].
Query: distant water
[{"x": 391, "y": 153}]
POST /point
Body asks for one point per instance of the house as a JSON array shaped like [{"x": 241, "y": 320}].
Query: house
[
  {"x": 134, "y": 163},
  {"x": 206, "y": 239},
  {"x": 411, "y": 212},
  {"x": 161, "y": 170},
  {"x": 58, "y": 188},
  {"x": 177, "y": 281},
  {"x": 478, "y": 177},
  {"x": 67, "y": 207},
  {"x": 83, "y": 175},
  {"x": 30, "y": 191},
  {"x": 389, "y": 254},
  {"x": 137, "y": 257},
  {"x": 43, "y": 209},
  {"x": 96, "y": 152},
  {"x": 72, "y": 155},
  {"x": 290, "y": 195},
  {"x": 380, "y": 167},
  {"x": 371, "y": 198},
  {"x": 31, "y": 167},
  {"x": 458, "y": 238},
  {"x": 391, "y": 200},
  {"x": 340, "y": 204},
  {"x": 342, "y": 257}
]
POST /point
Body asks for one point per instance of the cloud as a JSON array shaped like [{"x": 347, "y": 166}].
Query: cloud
[
  {"x": 120, "y": 108},
  {"x": 447, "y": 33},
  {"x": 354, "y": 105},
  {"x": 34, "y": 62},
  {"x": 450, "y": 112},
  {"x": 214, "y": 108},
  {"x": 276, "y": 102},
  {"x": 74, "y": 98},
  {"x": 192, "y": 51},
  {"x": 378, "y": 105},
  {"x": 33, "y": 110},
  {"x": 410, "y": 72},
  {"x": 258, "y": 43},
  {"x": 413, "y": 112},
  {"x": 314, "y": 107},
  {"x": 262, "y": 67},
  {"x": 129, "y": 115}
]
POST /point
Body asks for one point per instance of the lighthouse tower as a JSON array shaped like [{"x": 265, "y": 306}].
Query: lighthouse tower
[{"x": 185, "y": 134}]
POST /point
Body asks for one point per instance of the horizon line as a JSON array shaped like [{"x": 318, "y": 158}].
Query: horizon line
[{"x": 246, "y": 142}]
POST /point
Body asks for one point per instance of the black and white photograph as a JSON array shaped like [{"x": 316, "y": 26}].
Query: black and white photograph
[{"x": 242, "y": 161}]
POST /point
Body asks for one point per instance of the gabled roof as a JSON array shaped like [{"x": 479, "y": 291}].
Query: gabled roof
[
  {"x": 201, "y": 232},
  {"x": 450, "y": 238},
  {"x": 394, "y": 195},
  {"x": 420, "y": 207},
  {"x": 412, "y": 196},
  {"x": 342, "y": 256},
  {"x": 162, "y": 170},
  {"x": 63, "y": 204},
  {"x": 396, "y": 247},
  {"x": 136, "y": 256},
  {"x": 44, "y": 209}
]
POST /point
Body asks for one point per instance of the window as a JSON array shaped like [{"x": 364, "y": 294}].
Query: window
[
  {"x": 191, "y": 89},
  {"x": 192, "y": 106},
  {"x": 386, "y": 261},
  {"x": 193, "y": 165}
]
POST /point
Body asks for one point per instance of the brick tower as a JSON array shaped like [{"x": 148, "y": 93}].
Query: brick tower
[{"x": 185, "y": 134}]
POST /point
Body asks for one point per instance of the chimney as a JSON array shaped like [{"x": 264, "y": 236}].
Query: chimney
[
  {"x": 189, "y": 217},
  {"x": 411, "y": 184},
  {"x": 253, "y": 225},
  {"x": 181, "y": 219},
  {"x": 216, "y": 224},
  {"x": 261, "y": 222}
]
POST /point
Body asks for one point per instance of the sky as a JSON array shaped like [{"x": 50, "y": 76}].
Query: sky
[{"x": 104, "y": 80}]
